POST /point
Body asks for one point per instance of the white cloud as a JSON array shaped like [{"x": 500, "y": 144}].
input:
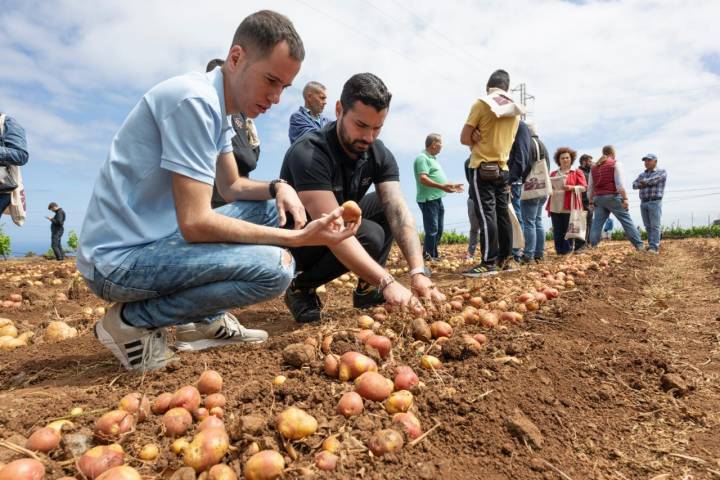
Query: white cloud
[{"x": 630, "y": 73}]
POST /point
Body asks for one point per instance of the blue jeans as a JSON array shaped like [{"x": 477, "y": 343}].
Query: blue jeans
[
  {"x": 433, "y": 214},
  {"x": 533, "y": 230},
  {"x": 515, "y": 191},
  {"x": 172, "y": 282},
  {"x": 604, "y": 206},
  {"x": 651, "y": 212}
]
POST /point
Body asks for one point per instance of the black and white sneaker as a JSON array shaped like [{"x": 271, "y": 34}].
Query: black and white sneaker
[
  {"x": 137, "y": 348},
  {"x": 224, "y": 331}
]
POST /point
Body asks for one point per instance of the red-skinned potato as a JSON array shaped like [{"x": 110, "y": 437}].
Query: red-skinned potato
[
  {"x": 385, "y": 441},
  {"x": 405, "y": 378},
  {"x": 440, "y": 329},
  {"x": 215, "y": 400},
  {"x": 373, "y": 386},
  {"x": 550, "y": 293},
  {"x": 489, "y": 319},
  {"x": 207, "y": 448},
  {"x": 201, "y": 414},
  {"x": 161, "y": 403},
  {"x": 100, "y": 459},
  {"x": 137, "y": 404},
  {"x": 120, "y": 473},
  {"x": 476, "y": 302},
  {"x": 353, "y": 364},
  {"x": 421, "y": 330},
  {"x": 363, "y": 335},
  {"x": 219, "y": 472},
  {"x": 264, "y": 465},
  {"x": 211, "y": 422},
  {"x": 350, "y": 404},
  {"x": 540, "y": 297},
  {"x": 331, "y": 365},
  {"x": 456, "y": 305},
  {"x": 294, "y": 423},
  {"x": 114, "y": 424},
  {"x": 398, "y": 402},
  {"x": 480, "y": 338},
  {"x": 176, "y": 421},
  {"x": 187, "y": 397},
  {"x": 525, "y": 297},
  {"x": 325, "y": 460},
  {"x": 351, "y": 212},
  {"x": 210, "y": 382},
  {"x": 43, "y": 440},
  {"x": 23, "y": 469},
  {"x": 410, "y": 424},
  {"x": 380, "y": 343}
]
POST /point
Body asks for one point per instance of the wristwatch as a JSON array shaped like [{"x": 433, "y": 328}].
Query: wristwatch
[
  {"x": 418, "y": 271},
  {"x": 272, "y": 186}
]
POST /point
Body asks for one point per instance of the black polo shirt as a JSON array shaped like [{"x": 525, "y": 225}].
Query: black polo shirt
[{"x": 317, "y": 162}]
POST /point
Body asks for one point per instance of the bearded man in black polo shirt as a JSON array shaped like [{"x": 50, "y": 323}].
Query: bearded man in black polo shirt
[{"x": 338, "y": 163}]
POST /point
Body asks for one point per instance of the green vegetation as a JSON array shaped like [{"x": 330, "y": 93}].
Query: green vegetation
[
  {"x": 711, "y": 231},
  {"x": 449, "y": 238},
  {"x": 5, "y": 249},
  {"x": 72, "y": 241}
]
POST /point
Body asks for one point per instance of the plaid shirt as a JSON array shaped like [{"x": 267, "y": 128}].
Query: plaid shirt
[{"x": 654, "y": 184}]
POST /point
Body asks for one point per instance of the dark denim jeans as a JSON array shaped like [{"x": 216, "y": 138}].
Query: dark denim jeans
[
  {"x": 56, "y": 234},
  {"x": 433, "y": 213},
  {"x": 172, "y": 282},
  {"x": 515, "y": 192}
]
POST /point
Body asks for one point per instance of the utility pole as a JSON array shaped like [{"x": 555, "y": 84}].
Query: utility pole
[{"x": 524, "y": 97}]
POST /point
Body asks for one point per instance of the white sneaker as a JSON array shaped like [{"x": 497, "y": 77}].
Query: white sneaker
[
  {"x": 224, "y": 331},
  {"x": 137, "y": 348}
]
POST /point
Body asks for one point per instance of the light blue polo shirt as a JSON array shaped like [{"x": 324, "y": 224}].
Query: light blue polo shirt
[{"x": 179, "y": 126}]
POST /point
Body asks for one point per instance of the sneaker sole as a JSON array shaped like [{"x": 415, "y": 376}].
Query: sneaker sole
[
  {"x": 198, "y": 345},
  {"x": 104, "y": 337}
]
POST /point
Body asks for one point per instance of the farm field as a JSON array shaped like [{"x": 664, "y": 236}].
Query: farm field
[{"x": 616, "y": 378}]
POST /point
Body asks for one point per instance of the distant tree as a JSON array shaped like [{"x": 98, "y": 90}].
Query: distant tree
[
  {"x": 4, "y": 244},
  {"x": 72, "y": 241}
]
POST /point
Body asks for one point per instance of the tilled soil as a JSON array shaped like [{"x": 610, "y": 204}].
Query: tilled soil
[{"x": 617, "y": 378}]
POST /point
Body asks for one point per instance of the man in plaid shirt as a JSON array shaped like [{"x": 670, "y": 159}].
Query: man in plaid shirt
[{"x": 651, "y": 184}]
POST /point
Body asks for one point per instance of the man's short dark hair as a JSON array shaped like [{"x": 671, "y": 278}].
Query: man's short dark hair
[
  {"x": 368, "y": 89},
  {"x": 52, "y": 205},
  {"x": 432, "y": 138},
  {"x": 260, "y": 32},
  {"x": 499, "y": 79},
  {"x": 215, "y": 62},
  {"x": 584, "y": 157}
]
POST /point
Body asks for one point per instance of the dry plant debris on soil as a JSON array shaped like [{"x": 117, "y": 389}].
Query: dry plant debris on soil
[{"x": 617, "y": 378}]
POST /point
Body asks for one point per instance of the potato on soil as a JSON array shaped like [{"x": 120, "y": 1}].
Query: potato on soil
[
  {"x": 161, "y": 403},
  {"x": 405, "y": 378},
  {"x": 207, "y": 448},
  {"x": 264, "y": 465},
  {"x": 331, "y": 365},
  {"x": 98, "y": 460},
  {"x": 149, "y": 452},
  {"x": 398, "y": 402},
  {"x": 215, "y": 400},
  {"x": 294, "y": 423},
  {"x": 325, "y": 460},
  {"x": 373, "y": 386},
  {"x": 120, "y": 473},
  {"x": 354, "y": 364},
  {"x": 299, "y": 354},
  {"x": 135, "y": 403},
  {"x": 385, "y": 441},
  {"x": 421, "y": 330},
  {"x": 409, "y": 423},
  {"x": 380, "y": 343},
  {"x": 176, "y": 421},
  {"x": 211, "y": 422},
  {"x": 114, "y": 424},
  {"x": 350, "y": 404},
  {"x": 458, "y": 348},
  {"x": 441, "y": 329},
  {"x": 210, "y": 382},
  {"x": 58, "y": 331},
  {"x": 219, "y": 472},
  {"x": 23, "y": 469},
  {"x": 187, "y": 397},
  {"x": 43, "y": 440}
]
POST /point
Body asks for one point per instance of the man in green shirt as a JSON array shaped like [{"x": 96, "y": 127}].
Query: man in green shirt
[{"x": 432, "y": 185}]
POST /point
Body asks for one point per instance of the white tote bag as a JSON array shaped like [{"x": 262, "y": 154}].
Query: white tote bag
[
  {"x": 537, "y": 184},
  {"x": 518, "y": 240},
  {"x": 577, "y": 226}
]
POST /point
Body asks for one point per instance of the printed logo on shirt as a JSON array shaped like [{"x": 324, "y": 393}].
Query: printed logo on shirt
[
  {"x": 502, "y": 100},
  {"x": 365, "y": 181}
]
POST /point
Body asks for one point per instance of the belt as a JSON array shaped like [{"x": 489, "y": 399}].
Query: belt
[{"x": 652, "y": 199}]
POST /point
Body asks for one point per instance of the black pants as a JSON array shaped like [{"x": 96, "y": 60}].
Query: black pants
[
  {"x": 560, "y": 223},
  {"x": 491, "y": 201},
  {"x": 587, "y": 225},
  {"x": 4, "y": 201},
  {"x": 55, "y": 236},
  {"x": 318, "y": 265}
]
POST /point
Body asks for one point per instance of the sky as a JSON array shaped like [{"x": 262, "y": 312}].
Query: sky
[{"x": 641, "y": 75}]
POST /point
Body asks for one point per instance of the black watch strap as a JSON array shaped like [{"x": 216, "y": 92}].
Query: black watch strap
[{"x": 272, "y": 186}]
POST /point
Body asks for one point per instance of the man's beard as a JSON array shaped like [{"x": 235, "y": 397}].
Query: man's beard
[{"x": 355, "y": 147}]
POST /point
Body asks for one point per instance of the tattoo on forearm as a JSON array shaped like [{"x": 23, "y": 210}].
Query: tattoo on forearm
[{"x": 402, "y": 226}]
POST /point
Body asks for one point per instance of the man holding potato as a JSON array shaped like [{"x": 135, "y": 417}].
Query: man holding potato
[
  {"x": 339, "y": 163},
  {"x": 151, "y": 241}
]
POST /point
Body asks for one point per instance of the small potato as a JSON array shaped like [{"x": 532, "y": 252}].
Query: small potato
[
  {"x": 373, "y": 386},
  {"x": 331, "y": 444},
  {"x": 409, "y": 423},
  {"x": 441, "y": 329},
  {"x": 114, "y": 424},
  {"x": 380, "y": 343},
  {"x": 363, "y": 335},
  {"x": 421, "y": 330},
  {"x": 294, "y": 423},
  {"x": 279, "y": 380},
  {"x": 210, "y": 382},
  {"x": 178, "y": 446},
  {"x": 325, "y": 460},
  {"x": 220, "y": 472},
  {"x": 398, "y": 402},
  {"x": 120, "y": 473},
  {"x": 331, "y": 365},
  {"x": 187, "y": 397},
  {"x": 23, "y": 469},
  {"x": 365, "y": 321},
  {"x": 350, "y": 404},
  {"x": 385, "y": 441},
  {"x": 161, "y": 403},
  {"x": 430, "y": 362},
  {"x": 100, "y": 459},
  {"x": 207, "y": 448},
  {"x": 43, "y": 440},
  {"x": 149, "y": 452},
  {"x": 265, "y": 465},
  {"x": 405, "y": 378},
  {"x": 351, "y": 212},
  {"x": 176, "y": 421},
  {"x": 215, "y": 400},
  {"x": 137, "y": 404},
  {"x": 353, "y": 364},
  {"x": 299, "y": 354},
  {"x": 217, "y": 412},
  {"x": 211, "y": 422}
]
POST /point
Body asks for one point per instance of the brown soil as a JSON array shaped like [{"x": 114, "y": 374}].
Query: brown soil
[{"x": 617, "y": 378}]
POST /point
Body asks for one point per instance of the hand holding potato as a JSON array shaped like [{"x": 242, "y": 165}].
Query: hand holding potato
[
  {"x": 424, "y": 288},
  {"x": 327, "y": 230},
  {"x": 397, "y": 295}
]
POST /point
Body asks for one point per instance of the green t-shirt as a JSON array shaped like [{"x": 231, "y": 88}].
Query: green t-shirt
[{"x": 428, "y": 164}]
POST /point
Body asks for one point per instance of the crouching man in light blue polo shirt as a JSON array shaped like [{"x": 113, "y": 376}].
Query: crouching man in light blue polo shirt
[{"x": 151, "y": 241}]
